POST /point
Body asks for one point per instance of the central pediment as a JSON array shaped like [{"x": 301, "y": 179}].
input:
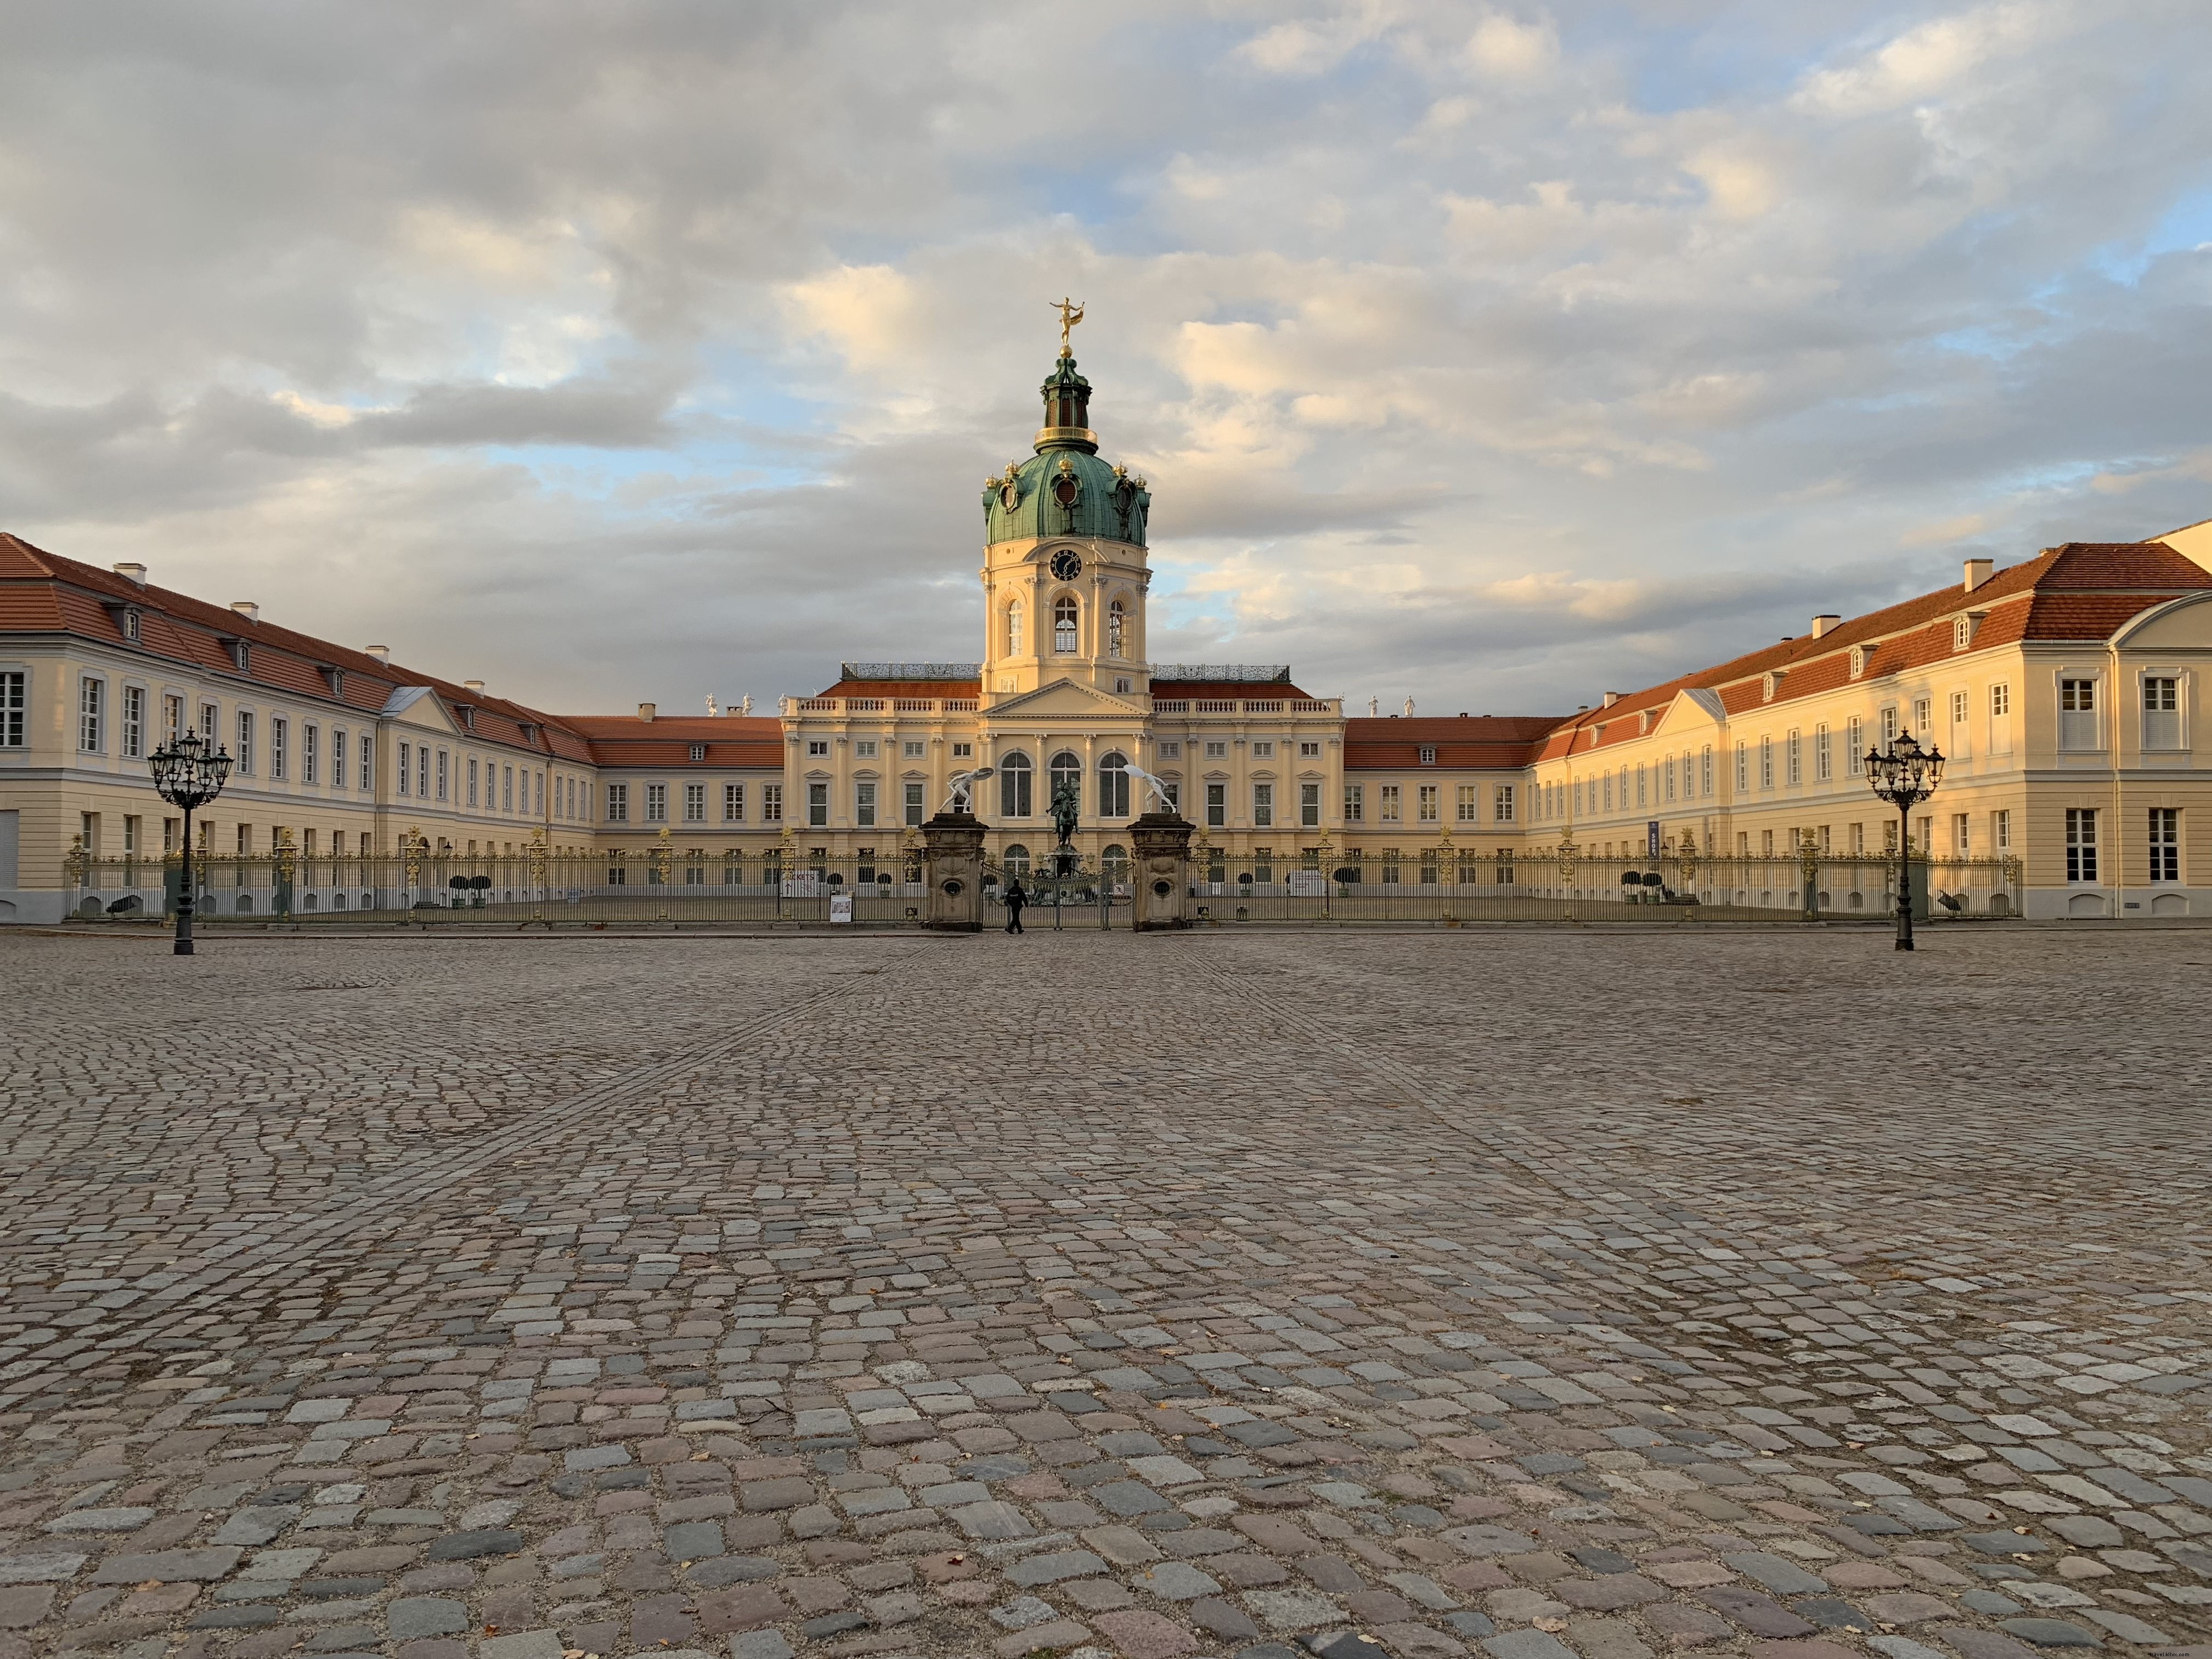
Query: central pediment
[{"x": 1067, "y": 700}]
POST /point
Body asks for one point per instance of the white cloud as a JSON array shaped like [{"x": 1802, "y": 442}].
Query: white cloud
[
  {"x": 1935, "y": 58},
  {"x": 1504, "y": 49},
  {"x": 1473, "y": 348}
]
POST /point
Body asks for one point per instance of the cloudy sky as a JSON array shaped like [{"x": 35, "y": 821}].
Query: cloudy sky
[{"x": 1494, "y": 354}]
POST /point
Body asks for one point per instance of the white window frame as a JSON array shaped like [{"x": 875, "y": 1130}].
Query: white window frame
[
  {"x": 2163, "y": 833},
  {"x": 2165, "y": 735},
  {"x": 733, "y": 803},
  {"x": 14, "y": 708},
  {"x": 2082, "y": 867},
  {"x": 91, "y": 714},
  {"x": 695, "y": 803},
  {"x": 2081, "y": 730},
  {"x": 130, "y": 729}
]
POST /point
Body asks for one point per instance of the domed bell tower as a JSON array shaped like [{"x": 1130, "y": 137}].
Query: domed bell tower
[{"x": 1064, "y": 570}]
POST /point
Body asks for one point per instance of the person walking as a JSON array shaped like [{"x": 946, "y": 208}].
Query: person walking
[{"x": 1015, "y": 899}]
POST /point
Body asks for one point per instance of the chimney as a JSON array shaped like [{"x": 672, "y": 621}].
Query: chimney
[
  {"x": 248, "y": 609},
  {"x": 1611, "y": 698},
  {"x": 475, "y": 686},
  {"x": 133, "y": 574},
  {"x": 1979, "y": 571},
  {"x": 1825, "y": 624},
  {"x": 381, "y": 653},
  {"x": 644, "y": 710}
]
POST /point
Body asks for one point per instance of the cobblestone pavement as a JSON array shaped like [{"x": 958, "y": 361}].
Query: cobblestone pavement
[{"x": 1527, "y": 1296}]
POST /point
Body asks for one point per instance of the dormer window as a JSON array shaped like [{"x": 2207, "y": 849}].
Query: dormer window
[
  {"x": 1428, "y": 755},
  {"x": 239, "y": 659},
  {"x": 468, "y": 714},
  {"x": 1642, "y": 722},
  {"x": 1963, "y": 630},
  {"x": 1769, "y": 683},
  {"x": 1858, "y": 660},
  {"x": 334, "y": 677},
  {"x": 698, "y": 751},
  {"x": 128, "y": 622}
]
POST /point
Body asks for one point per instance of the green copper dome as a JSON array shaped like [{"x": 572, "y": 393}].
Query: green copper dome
[{"x": 1065, "y": 489}]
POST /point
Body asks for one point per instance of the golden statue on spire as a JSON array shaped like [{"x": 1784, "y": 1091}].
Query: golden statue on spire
[{"x": 1071, "y": 313}]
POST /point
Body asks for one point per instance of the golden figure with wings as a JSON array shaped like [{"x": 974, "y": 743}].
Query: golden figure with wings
[{"x": 1071, "y": 313}]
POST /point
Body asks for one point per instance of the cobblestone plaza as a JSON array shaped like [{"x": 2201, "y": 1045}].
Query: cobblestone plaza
[{"x": 1527, "y": 1295}]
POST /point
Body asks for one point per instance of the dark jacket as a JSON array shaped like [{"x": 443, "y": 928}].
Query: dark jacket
[{"x": 1015, "y": 897}]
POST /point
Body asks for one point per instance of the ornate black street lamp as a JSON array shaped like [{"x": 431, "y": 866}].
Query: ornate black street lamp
[
  {"x": 1905, "y": 774},
  {"x": 189, "y": 772}
]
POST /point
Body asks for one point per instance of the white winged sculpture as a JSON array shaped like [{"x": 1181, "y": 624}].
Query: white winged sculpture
[
  {"x": 1155, "y": 784},
  {"x": 962, "y": 787}
]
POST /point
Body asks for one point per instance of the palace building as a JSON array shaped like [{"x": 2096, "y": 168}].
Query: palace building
[{"x": 2064, "y": 690}]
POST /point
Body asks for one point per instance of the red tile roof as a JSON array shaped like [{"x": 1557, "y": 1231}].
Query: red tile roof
[
  {"x": 1497, "y": 741},
  {"x": 730, "y": 741},
  {"x": 43, "y": 592},
  {"x": 1243, "y": 690},
  {"x": 904, "y": 688},
  {"x": 2081, "y": 591}
]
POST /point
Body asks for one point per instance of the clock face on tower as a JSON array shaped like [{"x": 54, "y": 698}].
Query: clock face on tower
[{"x": 1066, "y": 564}]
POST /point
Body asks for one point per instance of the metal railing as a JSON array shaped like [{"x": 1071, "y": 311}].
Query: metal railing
[
  {"x": 1448, "y": 888},
  {"x": 427, "y": 888},
  {"x": 666, "y": 884}
]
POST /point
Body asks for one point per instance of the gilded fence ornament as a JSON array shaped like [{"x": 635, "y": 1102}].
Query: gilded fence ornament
[
  {"x": 1689, "y": 856},
  {"x": 414, "y": 844},
  {"x": 538, "y": 874},
  {"x": 77, "y": 864},
  {"x": 285, "y": 872}
]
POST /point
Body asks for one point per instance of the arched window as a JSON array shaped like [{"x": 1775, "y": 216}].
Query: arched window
[
  {"x": 1014, "y": 629},
  {"x": 1063, "y": 625},
  {"x": 1114, "y": 786},
  {"x": 1016, "y": 859},
  {"x": 1067, "y": 769},
  {"x": 1014, "y": 777},
  {"x": 1114, "y": 863},
  {"x": 1117, "y": 623}
]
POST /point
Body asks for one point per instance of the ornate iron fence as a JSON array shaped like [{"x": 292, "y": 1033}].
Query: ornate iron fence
[
  {"x": 1448, "y": 887},
  {"x": 419, "y": 885}
]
